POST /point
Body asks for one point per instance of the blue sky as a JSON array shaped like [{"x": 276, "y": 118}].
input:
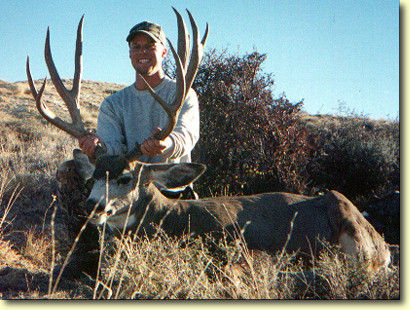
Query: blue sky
[{"x": 323, "y": 51}]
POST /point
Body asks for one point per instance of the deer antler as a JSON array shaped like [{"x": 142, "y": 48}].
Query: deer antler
[
  {"x": 70, "y": 97},
  {"x": 185, "y": 75}
]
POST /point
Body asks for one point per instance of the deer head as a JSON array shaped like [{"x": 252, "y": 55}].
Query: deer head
[{"x": 122, "y": 189}]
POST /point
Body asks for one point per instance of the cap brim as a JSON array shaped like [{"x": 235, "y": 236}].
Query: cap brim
[{"x": 133, "y": 34}]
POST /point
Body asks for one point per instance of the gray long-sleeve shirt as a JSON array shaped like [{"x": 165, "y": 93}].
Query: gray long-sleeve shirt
[{"x": 130, "y": 116}]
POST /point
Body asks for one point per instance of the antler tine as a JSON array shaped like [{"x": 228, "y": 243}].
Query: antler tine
[
  {"x": 197, "y": 52},
  {"x": 70, "y": 97},
  {"x": 183, "y": 40},
  {"x": 78, "y": 61},
  {"x": 30, "y": 79},
  {"x": 179, "y": 97}
]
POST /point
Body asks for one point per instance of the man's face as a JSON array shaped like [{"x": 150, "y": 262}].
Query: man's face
[{"x": 146, "y": 55}]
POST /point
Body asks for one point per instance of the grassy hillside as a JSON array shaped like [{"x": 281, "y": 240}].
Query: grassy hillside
[{"x": 33, "y": 238}]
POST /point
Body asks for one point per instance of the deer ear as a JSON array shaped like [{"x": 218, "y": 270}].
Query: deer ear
[
  {"x": 82, "y": 164},
  {"x": 175, "y": 175}
]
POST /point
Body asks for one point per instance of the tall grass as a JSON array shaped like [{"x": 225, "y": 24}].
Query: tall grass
[
  {"x": 181, "y": 268},
  {"x": 5, "y": 207}
]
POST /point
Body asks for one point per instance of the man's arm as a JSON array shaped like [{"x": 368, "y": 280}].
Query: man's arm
[
  {"x": 89, "y": 142},
  {"x": 153, "y": 147}
]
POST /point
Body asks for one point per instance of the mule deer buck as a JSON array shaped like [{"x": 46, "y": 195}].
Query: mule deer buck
[{"x": 124, "y": 195}]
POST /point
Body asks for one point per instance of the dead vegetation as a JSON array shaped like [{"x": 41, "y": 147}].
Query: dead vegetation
[{"x": 32, "y": 240}]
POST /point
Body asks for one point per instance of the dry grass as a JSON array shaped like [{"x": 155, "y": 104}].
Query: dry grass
[
  {"x": 37, "y": 247},
  {"x": 31, "y": 151},
  {"x": 165, "y": 268}
]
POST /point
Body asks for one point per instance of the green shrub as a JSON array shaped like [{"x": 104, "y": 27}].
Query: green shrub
[{"x": 249, "y": 140}]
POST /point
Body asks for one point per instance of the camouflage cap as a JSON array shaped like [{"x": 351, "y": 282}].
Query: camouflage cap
[{"x": 151, "y": 29}]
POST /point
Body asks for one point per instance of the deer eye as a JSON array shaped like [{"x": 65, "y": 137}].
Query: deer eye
[{"x": 124, "y": 180}]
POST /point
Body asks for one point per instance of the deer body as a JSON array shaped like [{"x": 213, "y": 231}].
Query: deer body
[{"x": 264, "y": 219}]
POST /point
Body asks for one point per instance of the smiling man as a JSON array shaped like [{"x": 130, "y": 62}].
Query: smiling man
[{"x": 132, "y": 114}]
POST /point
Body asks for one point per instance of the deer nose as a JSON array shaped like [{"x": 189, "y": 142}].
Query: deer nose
[{"x": 91, "y": 204}]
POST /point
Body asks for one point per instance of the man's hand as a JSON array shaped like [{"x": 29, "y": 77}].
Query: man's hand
[
  {"x": 89, "y": 142},
  {"x": 152, "y": 146}
]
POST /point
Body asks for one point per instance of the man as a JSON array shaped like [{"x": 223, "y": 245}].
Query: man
[{"x": 132, "y": 114}]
